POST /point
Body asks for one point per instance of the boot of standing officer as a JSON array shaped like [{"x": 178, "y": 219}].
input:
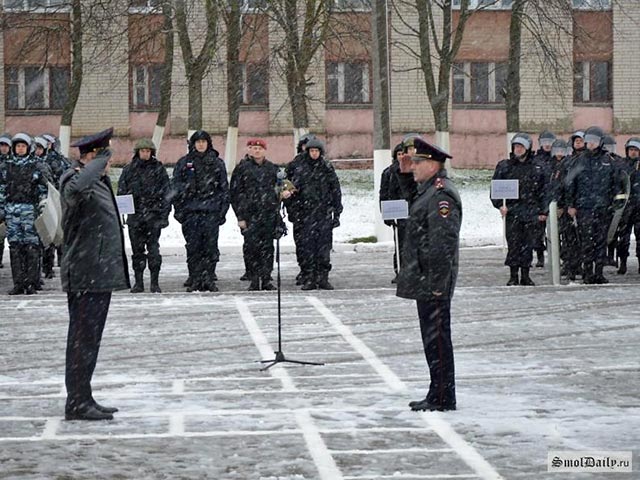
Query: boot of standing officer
[{"x": 94, "y": 264}]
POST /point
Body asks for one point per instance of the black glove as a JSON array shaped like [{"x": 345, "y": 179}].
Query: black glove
[
  {"x": 389, "y": 223},
  {"x": 335, "y": 223},
  {"x": 222, "y": 220}
]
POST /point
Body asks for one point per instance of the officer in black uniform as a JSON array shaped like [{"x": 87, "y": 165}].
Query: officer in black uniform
[
  {"x": 201, "y": 202},
  {"x": 609, "y": 146},
  {"x": 5, "y": 151},
  {"x": 93, "y": 265},
  {"x": 592, "y": 183},
  {"x": 390, "y": 190},
  {"x": 317, "y": 203},
  {"x": 543, "y": 158},
  {"x": 524, "y": 213},
  {"x": 430, "y": 267},
  {"x": 256, "y": 204},
  {"x": 146, "y": 179},
  {"x": 631, "y": 216},
  {"x": 292, "y": 214}
]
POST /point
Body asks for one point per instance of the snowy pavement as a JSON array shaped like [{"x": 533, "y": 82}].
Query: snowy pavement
[{"x": 538, "y": 369}]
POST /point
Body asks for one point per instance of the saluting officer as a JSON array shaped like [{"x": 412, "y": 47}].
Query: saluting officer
[
  {"x": 93, "y": 265},
  {"x": 430, "y": 269}
]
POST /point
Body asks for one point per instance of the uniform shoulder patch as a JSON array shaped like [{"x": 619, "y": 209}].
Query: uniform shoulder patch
[
  {"x": 439, "y": 183},
  {"x": 444, "y": 208}
]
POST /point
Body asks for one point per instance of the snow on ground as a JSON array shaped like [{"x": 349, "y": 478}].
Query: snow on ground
[{"x": 538, "y": 369}]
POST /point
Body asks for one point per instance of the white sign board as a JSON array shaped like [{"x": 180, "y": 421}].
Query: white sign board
[
  {"x": 395, "y": 209},
  {"x": 505, "y": 190},
  {"x": 125, "y": 204}
]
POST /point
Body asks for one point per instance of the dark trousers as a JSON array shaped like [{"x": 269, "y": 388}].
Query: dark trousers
[
  {"x": 592, "y": 231},
  {"x": 200, "y": 231},
  {"x": 297, "y": 240},
  {"x": 630, "y": 220},
  {"x": 314, "y": 249},
  {"x": 87, "y": 317},
  {"x": 569, "y": 244},
  {"x": 258, "y": 249},
  {"x": 145, "y": 246},
  {"x": 520, "y": 234},
  {"x": 48, "y": 258},
  {"x": 435, "y": 326},
  {"x": 539, "y": 241}
]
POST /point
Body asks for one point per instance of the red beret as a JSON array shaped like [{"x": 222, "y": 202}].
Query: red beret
[{"x": 257, "y": 142}]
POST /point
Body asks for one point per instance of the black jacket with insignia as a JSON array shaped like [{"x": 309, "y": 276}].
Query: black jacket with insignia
[
  {"x": 432, "y": 239},
  {"x": 253, "y": 191},
  {"x": 592, "y": 182}
]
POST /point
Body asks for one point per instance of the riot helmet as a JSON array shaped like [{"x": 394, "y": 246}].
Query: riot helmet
[
  {"x": 21, "y": 138},
  {"x": 594, "y": 136},
  {"x": 609, "y": 144},
  {"x": 559, "y": 147},
  {"x": 546, "y": 139},
  {"x": 633, "y": 142},
  {"x": 303, "y": 141}
]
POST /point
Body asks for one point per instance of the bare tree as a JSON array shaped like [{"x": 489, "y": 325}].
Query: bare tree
[
  {"x": 196, "y": 66},
  {"x": 167, "y": 74}
]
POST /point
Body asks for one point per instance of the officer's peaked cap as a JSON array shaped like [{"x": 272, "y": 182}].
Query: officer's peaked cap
[
  {"x": 144, "y": 143},
  {"x": 5, "y": 138},
  {"x": 93, "y": 142},
  {"x": 632, "y": 142},
  {"x": 522, "y": 139},
  {"x": 315, "y": 143},
  {"x": 427, "y": 151}
]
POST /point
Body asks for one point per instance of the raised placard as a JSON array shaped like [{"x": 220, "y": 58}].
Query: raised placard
[
  {"x": 125, "y": 204},
  {"x": 395, "y": 209},
  {"x": 505, "y": 190}
]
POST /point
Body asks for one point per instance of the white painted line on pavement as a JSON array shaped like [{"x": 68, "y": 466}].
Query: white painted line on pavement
[
  {"x": 435, "y": 421},
  {"x": 325, "y": 463},
  {"x": 50, "y": 428},
  {"x": 263, "y": 345},
  {"x": 176, "y": 425},
  {"x": 322, "y": 458},
  {"x": 177, "y": 387},
  {"x": 359, "y": 346}
]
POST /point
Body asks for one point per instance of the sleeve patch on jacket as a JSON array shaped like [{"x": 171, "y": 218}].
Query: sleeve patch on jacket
[{"x": 444, "y": 208}]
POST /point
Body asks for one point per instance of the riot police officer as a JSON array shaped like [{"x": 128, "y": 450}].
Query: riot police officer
[
  {"x": 146, "y": 179},
  {"x": 522, "y": 214},
  {"x": 201, "y": 202},
  {"x": 318, "y": 205},
  {"x": 26, "y": 187},
  {"x": 631, "y": 216},
  {"x": 430, "y": 268},
  {"x": 592, "y": 183},
  {"x": 544, "y": 159},
  {"x": 5, "y": 151}
]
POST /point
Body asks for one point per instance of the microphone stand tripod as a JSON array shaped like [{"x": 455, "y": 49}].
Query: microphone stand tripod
[{"x": 279, "y": 354}]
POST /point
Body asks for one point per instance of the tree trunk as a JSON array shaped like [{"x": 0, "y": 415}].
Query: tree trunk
[
  {"x": 165, "y": 85},
  {"x": 234, "y": 83},
  {"x": 76, "y": 77},
  {"x": 512, "y": 89},
  {"x": 195, "y": 101}
]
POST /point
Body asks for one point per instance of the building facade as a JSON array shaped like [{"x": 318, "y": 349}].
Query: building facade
[{"x": 593, "y": 82}]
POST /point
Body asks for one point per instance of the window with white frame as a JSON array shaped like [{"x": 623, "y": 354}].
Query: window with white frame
[
  {"x": 353, "y": 5},
  {"x": 592, "y": 4},
  {"x": 348, "y": 83},
  {"x": 592, "y": 82},
  {"x": 250, "y": 5},
  {"x": 479, "y": 82},
  {"x": 255, "y": 84},
  {"x": 146, "y": 81},
  {"x": 33, "y": 4},
  {"x": 484, "y": 4},
  {"x": 36, "y": 87}
]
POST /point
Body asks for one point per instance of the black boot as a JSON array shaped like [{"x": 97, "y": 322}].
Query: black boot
[
  {"x": 17, "y": 271},
  {"x": 255, "y": 284},
  {"x": 138, "y": 286},
  {"x": 513, "y": 279},
  {"x": 300, "y": 278},
  {"x": 323, "y": 282},
  {"x": 188, "y": 282},
  {"x": 525, "y": 280},
  {"x": 587, "y": 273},
  {"x": 309, "y": 282},
  {"x": 32, "y": 258},
  {"x": 540, "y": 262},
  {"x": 623, "y": 266},
  {"x": 266, "y": 283},
  {"x": 599, "y": 277},
  {"x": 245, "y": 277},
  {"x": 155, "y": 287}
]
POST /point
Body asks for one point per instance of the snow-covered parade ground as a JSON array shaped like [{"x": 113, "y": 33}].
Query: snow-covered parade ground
[{"x": 539, "y": 369}]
